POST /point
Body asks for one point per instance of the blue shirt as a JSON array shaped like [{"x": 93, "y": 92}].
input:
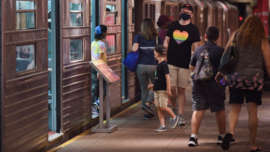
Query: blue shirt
[{"x": 146, "y": 50}]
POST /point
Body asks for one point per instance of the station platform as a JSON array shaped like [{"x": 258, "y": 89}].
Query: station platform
[{"x": 134, "y": 134}]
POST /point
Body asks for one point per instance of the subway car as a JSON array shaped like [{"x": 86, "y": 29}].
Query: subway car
[
  {"x": 206, "y": 13},
  {"x": 45, "y": 54}
]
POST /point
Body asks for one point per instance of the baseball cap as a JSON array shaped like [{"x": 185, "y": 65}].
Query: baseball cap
[{"x": 187, "y": 6}]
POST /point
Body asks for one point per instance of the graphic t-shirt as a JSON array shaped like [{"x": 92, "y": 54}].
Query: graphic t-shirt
[
  {"x": 181, "y": 39},
  {"x": 146, "y": 50},
  {"x": 160, "y": 79},
  {"x": 97, "y": 48}
]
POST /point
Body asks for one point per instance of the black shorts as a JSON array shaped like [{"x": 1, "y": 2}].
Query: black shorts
[
  {"x": 237, "y": 96},
  {"x": 208, "y": 95}
]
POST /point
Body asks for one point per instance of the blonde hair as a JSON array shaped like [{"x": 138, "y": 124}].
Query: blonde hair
[{"x": 148, "y": 30}]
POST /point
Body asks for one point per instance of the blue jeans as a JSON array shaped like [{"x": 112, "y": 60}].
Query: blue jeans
[{"x": 146, "y": 74}]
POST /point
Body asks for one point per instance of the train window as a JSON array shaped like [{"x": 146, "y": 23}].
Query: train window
[
  {"x": 76, "y": 50},
  {"x": 110, "y": 15},
  {"x": 76, "y": 14},
  {"x": 25, "y": 14},
  {"x": 25, "y": 58}
]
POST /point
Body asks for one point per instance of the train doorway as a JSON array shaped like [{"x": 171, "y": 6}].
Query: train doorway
[{"x": 52, "y": 117}]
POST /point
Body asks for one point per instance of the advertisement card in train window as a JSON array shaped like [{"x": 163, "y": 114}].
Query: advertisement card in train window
[
  {"x": 25, "y": 58},
  {"x": 110, "y": 39},
  {"x": 110, "y": 19}
]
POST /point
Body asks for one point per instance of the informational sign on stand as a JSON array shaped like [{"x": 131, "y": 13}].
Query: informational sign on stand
[
  {"x": 107, "y": 74},
  {"x": 105, "y": 71}
]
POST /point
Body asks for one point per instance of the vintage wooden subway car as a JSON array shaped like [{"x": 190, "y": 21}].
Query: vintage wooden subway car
[
  {"x": 45, "y": 54},
  {"x": 206, "y": 13}
]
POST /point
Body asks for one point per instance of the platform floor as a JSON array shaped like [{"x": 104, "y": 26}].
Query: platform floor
[{"x": 135, "y": 134}]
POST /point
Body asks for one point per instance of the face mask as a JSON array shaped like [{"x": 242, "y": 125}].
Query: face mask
[{"x": 184, "y": 16}]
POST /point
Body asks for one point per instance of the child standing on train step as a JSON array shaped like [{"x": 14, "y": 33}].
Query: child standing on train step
[
  {"x": 98, "y": 51},
  {"x": 162, "y": 89}
]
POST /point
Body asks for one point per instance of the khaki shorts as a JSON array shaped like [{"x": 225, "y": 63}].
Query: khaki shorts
[
  {"x": 161, "y": 98},
  {"x": 179, "y": 76}
]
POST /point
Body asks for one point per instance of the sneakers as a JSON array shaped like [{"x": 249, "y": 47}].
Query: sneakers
[
  {"x": 181, "y": 121},
  {"x": 174, "y": 122},
  {"x": 147, "y": 116},
  {"x": 161, "y": 129},
  {"x": 193, "y": 142},
  {"x": 147, "y": 109},
  {"x": 225, "y": 145},
  {"x": 219, "y": 140}
]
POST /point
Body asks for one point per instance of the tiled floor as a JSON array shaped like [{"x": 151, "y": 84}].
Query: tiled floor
[{"x": 135, "y": 134}]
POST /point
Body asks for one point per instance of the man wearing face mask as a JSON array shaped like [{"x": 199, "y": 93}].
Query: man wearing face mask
[{"x": 179, "y": 40}]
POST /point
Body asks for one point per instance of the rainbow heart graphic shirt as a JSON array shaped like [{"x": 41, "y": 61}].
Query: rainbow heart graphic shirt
[{"x": 179, "y": 36}]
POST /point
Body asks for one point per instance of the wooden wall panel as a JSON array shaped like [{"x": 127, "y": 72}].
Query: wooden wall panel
[{"x": 25, "y": 95}]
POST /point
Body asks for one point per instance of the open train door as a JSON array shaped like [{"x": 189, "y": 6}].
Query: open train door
[
  {"x": 75, "y": 75},
  {"x": 24, "y": 80},
  {"x": 110, "y": 15}
]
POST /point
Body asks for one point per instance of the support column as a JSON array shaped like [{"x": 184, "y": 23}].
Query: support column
[
  {"x": 94, "y": 17},
  {"x": 124, "y": 29}
]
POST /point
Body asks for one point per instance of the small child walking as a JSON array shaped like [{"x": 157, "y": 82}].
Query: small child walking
[{"x": 162, "y": 89}]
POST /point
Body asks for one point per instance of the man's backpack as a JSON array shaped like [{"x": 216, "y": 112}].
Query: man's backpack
[{"x": 203, "y": 69}]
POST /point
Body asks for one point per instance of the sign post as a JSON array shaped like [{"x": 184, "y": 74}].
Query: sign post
[{"x": 107, "y": 74}]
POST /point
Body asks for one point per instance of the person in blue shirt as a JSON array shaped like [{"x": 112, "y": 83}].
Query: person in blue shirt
[{"x": 145, "y": 43}]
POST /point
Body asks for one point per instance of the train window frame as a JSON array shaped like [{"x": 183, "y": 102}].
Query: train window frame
[
  {"x": 82, "y": 52},
  {"x": 76, "y": 12},
  {"x": 19, "y": 11},
  {"x": 27, "y": 71}
]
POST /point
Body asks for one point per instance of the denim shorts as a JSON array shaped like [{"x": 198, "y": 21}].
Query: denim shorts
[
  {"x": 207, "y": 95},
  {"x": 237, "y": 96}
]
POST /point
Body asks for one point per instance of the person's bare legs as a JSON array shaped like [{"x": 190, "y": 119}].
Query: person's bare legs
[
  {"x": 221, "y": 121},
  {"x": 234, "y": 115},
  {"x": 181, "y": 100},
  {"x": 169, "y": 111},
  {"x": 161, "y": 117},
  {"x": 252, "y": 124},
  {"x": 196, "y": 121}
]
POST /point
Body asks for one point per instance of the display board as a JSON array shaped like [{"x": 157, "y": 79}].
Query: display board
[{"x": 108, "y": 74}]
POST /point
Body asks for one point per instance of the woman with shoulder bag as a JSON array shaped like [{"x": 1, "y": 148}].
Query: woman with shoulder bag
[
  {"x": 145, "y": 43},
  {"x": 246, "y": 79}
]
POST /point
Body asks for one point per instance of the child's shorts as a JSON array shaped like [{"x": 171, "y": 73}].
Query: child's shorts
[{"x": 161, "y": 98}]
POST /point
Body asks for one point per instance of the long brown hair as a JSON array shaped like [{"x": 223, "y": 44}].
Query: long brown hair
[
  {"x": 251, "y": 32},
  {"x": 148, "y": 30}
]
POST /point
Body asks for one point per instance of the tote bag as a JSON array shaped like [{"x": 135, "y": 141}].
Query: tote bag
[
  {"x": 131, "y": 61},
  {"x": 229, "y": 58}
]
